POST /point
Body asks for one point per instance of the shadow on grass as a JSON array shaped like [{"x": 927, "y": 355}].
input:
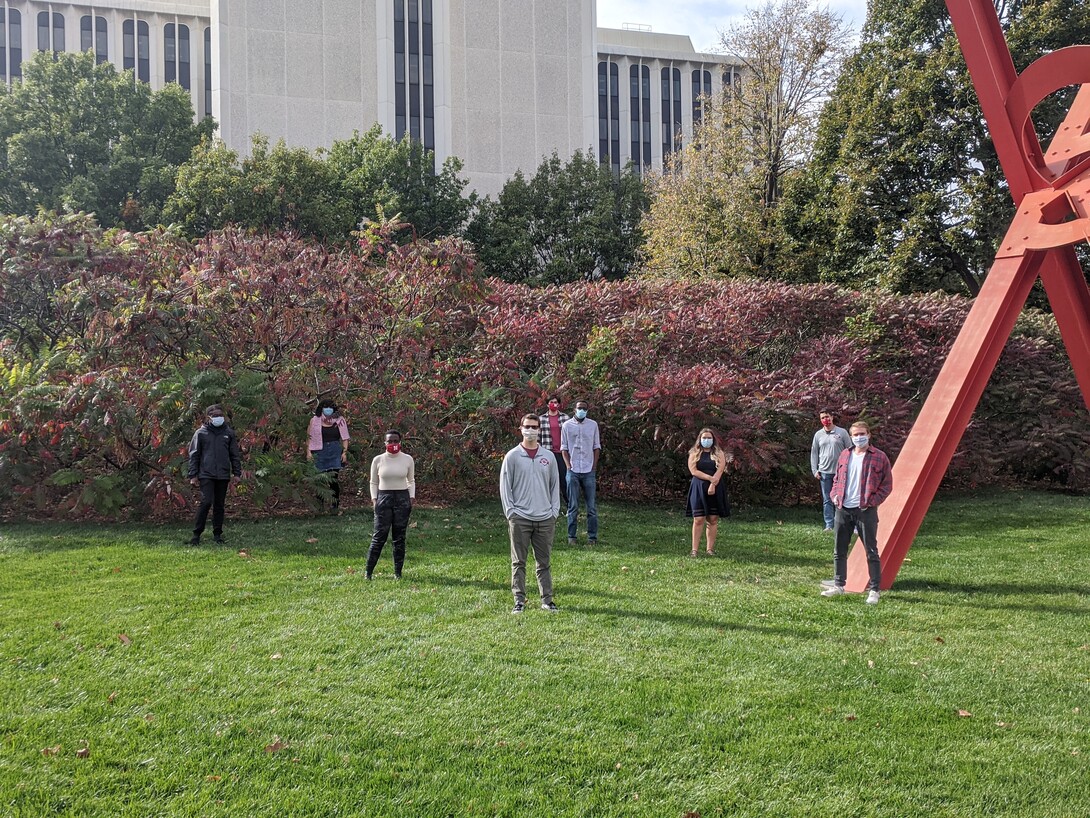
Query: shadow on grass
[
  {"x": 689, "y": 621},
  {"x": 505, "y": 586},
  {"x": 993, "y": 588}
]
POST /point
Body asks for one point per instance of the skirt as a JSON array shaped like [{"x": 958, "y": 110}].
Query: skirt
[
  {"x": 328, "y": 458},
  {"x": 701, "y": 504}
]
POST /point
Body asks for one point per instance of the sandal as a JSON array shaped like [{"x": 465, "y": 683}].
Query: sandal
[
  {"x": 711, "y": 553},
  {"x": 695, "y": 554}
]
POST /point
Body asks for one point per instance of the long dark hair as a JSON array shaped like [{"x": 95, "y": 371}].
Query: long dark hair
[{"x": 322, "y": 404}]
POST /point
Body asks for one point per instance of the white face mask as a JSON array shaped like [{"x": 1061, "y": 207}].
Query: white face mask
[
  {"x": 706, "y": 442},
  {"x": 530, "y": 433},
  {"x": 860, "y": 440}
]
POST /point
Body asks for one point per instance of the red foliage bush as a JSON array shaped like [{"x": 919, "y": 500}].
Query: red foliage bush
[{"x": 124, "y": 339}]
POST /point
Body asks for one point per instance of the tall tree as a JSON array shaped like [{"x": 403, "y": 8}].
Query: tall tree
[
  {"x": 715, "y": 208},
  {"x": 905, "y": 190},
  {"x": 570, "y": 221},
  {"x": 79, "y": 136}
]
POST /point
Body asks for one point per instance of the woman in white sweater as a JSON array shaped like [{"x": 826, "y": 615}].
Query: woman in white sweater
[{"x": 393, "y": 487}]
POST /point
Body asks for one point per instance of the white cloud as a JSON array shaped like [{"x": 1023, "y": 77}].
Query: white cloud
[{"x": 702, "y": 20}]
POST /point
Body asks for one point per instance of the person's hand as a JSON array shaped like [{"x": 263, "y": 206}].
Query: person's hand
[
  {"x": 194, "y": 481},
  {"x": 310, "y": 454},
  {"x": 711, "y": 488},
  {"x": 344, "y": 458},
  {"x": 817, "y": 475}
]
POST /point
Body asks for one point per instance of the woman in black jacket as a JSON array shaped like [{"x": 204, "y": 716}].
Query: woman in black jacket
[{"x": 213, "y": 458}]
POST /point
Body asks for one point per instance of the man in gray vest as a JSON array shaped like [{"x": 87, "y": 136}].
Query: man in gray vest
[
  {"x": 530, "y": 494},
  {"x": 829, "y": 441}
]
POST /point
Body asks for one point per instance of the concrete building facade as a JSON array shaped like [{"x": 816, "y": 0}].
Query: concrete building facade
[{"x": 498, "y": 83}]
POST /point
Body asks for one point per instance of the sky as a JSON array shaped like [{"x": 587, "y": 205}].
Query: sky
[{"x": 702, "y": 20}]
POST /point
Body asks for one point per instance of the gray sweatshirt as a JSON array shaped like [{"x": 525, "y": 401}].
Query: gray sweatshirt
[
  {"x": 529, "y": 486},
  {"x": 826, "y": 448}
]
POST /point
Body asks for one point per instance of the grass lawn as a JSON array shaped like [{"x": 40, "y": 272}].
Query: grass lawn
[{"x": 142, "y": 677}]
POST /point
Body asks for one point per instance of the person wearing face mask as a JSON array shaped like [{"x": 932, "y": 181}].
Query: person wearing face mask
[
  {"x": 707, "y": 502},
  {"x": 829, "y": 441},
  {"x": 530, "y": 495},
  {"x": 864, "y": 479},
  {"x": 580, "y": 446},
  {"x": 393, "y": 488},
  {"x": 327, "y": 445},
  {"x": 214, "y": 458},
  {"x": 551, "y": 423}
]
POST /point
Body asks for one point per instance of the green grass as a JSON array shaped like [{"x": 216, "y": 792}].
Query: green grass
[{"x": 666, "y": 685}]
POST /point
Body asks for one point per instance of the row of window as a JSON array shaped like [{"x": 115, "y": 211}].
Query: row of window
[
  {"x": 136, "y": 47},
  {"x": 414, "y": 72}
]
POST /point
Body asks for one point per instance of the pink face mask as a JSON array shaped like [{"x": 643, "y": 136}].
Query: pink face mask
[
  {"x": 393, "y": 448},
  {"x": 553, "y": 406}
]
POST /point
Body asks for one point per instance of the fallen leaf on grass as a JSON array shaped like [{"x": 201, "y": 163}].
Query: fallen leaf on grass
[
  {"x": 212, "y": 778},
  {"x": 125, "y": 640},
  {"x": 870, "y": 663},
  {"x": 112, "y": 697},
  {"x": 412, "y": 524},
  {"x": 691, "y": 815},
  {"x": 940, "y": 640},
  {"x": 276, "y": 656},
  {"x": 1002, "y": 724},
  {"x": 350, "y": 570},
  {"x": 149, "y": 718},
  {"x": 244, "y": 553},
  {"x": 51, "y": 751},
  {"x": 83, "y": 752},
  {"x": 1081, "y": 647},
  {"x": 58, "y": 625},
  {"x": 276, "y": 746},
  {"x": 312, "y": 540},
  {"x": 965, "y": 714},
  {"x": 851, "y": 717}
]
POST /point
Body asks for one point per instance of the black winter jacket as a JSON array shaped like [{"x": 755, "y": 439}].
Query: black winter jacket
[{"x": 214, "y": 454}]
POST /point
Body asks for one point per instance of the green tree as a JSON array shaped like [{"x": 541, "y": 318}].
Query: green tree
[
  {"x": 79, "y": 136},
  {"x": 905, "y": 190},
  {"x": 570, "y": 221}
]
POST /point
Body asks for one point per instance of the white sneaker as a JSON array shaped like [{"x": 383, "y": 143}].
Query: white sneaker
[
  {"x": 828, "y": 583},
  {"x": 835, "y": 590},
  {"x": 873, "y": 597}
]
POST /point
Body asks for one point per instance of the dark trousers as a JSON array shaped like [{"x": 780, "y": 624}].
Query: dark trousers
[
  {"x": 562, "y": 473},
  {"x": 392, "y": 509},
  {"x": 847, "y": 520},
  {"x": 214, "y": 497}
]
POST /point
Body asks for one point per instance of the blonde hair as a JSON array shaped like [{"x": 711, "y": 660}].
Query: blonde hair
[
  {"x": 716, "y": 449},
  {"x": 859, "y": 425}
]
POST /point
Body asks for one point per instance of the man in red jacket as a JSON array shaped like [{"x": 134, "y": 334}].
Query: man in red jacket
[{"x": 864, "y": 479}]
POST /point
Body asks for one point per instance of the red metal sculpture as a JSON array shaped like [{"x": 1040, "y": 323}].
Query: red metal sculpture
[{"x": 1052, "y": 191}]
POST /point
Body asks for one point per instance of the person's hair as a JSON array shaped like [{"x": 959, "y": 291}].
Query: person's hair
[
  {"x": 529, "y": 416},
  {"x": 215, "y": 407},
  {"x": 828, "y": 412},
  {"x": 322, "y": 404},
  {"x": 551, "y": 398},
  {"x": 859, "y": 425},
  {"x": 392, "y": 432},
  {"x": 715, "y": 449},
  {"x": 583, "y": 400}
]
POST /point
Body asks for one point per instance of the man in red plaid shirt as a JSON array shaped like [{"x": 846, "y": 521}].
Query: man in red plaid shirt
[
  {"x": 864, "y": 479},
  {"x": 551, "y": 422}
]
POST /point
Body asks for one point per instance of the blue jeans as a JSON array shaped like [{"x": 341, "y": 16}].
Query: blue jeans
[
  {"x": 829, "y": 509},
  {"x": 582, "y": 484},
  {"x": 848, "y": 520}
]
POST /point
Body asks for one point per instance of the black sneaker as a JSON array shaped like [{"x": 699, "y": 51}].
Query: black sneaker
[
  {"x": 519, "y": 608},
  {"x": 221, "y": 539},
  {"x": 549, "y": 606},
  {"x": 193, "y": 541}
]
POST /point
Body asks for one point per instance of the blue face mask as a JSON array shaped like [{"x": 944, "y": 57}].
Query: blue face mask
[
  {"x": 218, "y": 421},
  {"x": 706, "y": 442},
  {"x": 580, "y": 413},
  {"x": 328, "y": 411}
]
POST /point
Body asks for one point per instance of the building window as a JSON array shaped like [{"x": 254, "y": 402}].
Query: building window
[
  {"x": 702, "y": 91},
  {"x": 671, "y": 110},
  {"x": 730, "y": 80},
  {"x": 11, "y": 44},
  {"x": 640, "y": 102},
  {"x": 136, "y": 39},
  {"x": 50, "y": 37},
  {"x": 176, "y": 54},
  {"x": 603, "y": 113},
  {"x": 208, "y": 71},
  {"x": 414, "y": 71},
  {"x": 97, "y": 40},
  {"x": 614, "y": 117}
]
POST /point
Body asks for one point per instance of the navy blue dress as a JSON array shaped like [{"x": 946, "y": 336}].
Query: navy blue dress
[{"x": 702, "y": 504}]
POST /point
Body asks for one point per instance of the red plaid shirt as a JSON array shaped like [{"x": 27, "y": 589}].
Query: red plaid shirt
[{"x": 875, "y": 483}]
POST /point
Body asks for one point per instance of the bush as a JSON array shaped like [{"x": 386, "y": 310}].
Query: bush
[{"x": 122, "y": 339}]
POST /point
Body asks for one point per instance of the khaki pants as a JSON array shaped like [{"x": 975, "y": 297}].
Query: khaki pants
[{"x": 524, "y": 535}]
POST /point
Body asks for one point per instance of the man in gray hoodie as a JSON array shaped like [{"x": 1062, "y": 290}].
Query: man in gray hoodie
[{"x": 530, "y": 494}]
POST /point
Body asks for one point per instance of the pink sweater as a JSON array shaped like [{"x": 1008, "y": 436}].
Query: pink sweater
[{"x": 314, "y": 433}]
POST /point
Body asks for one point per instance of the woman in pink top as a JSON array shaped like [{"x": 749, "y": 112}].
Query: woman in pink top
[{"x": 327, "y": 445}]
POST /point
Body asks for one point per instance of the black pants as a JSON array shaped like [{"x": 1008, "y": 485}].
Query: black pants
[
  {"x": 562, "y": 473},
  {"x": 845, "y": 523},
  {"x": 214, "y": 497},
  {"x": 392, "y": 509}
]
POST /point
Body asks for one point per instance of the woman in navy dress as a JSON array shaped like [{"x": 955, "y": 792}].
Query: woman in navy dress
[{"x": 708, "y": 499}]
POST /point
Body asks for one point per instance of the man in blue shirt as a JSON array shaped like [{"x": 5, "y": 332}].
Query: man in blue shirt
[{"x": 580, "y": 446}]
